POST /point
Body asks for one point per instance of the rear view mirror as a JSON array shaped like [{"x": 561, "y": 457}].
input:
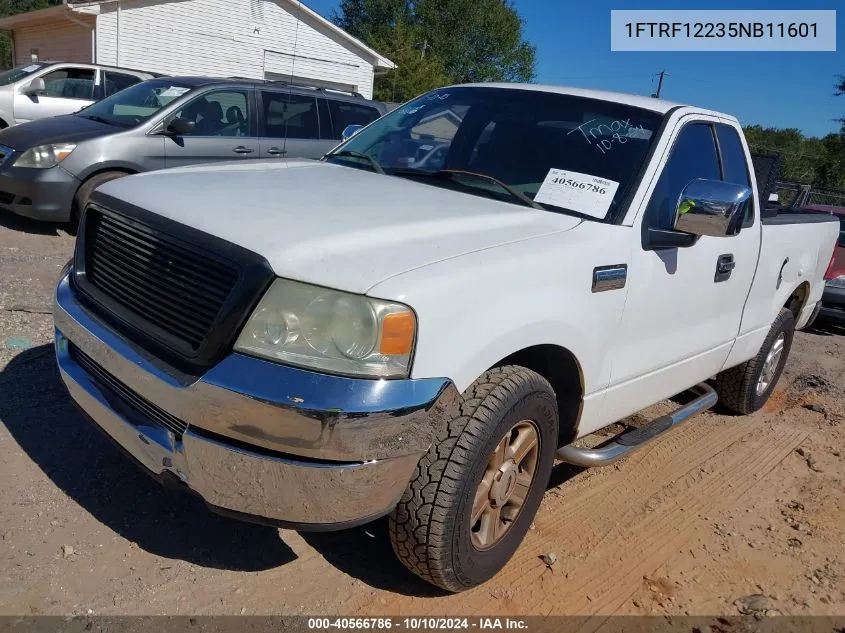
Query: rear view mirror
[
  {"x": 712, "y": 207},
  {"x": 35, "y": 87},
  {"x": 351, "y": 130},
  {"x": 180, "y": 126}
]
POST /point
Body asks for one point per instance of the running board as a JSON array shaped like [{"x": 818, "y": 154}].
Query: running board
[{"x": 628, "y": 442}]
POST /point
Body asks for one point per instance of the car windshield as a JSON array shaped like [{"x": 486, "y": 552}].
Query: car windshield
[
  {"x": 558, "y": 152},
  {"x": 19, "y": 72},
  {"x": 135, "y": 104}
]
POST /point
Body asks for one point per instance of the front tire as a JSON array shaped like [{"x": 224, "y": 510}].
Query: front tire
[
  {"x": 747, "y": 387},
  {"x": 476, "y": 491}
]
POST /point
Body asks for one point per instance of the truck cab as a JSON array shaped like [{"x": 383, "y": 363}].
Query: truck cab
[{"x": 421, "y": 323}]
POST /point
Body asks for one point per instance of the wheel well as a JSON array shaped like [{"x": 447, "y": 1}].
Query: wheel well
[
  {"x": 124, "y": 170},
  {"x": 560, "y": 367},
  {"x": 797, "y": 300}
]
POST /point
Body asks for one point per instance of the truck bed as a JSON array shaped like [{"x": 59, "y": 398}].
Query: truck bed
[{"x": 808, "y": 217}]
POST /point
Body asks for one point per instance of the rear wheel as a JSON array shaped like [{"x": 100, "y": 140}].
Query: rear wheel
[
  {"x": 83, "y": 194},
  {"x": 747, "y": 387},
  {"x": 476, "y": 491}
]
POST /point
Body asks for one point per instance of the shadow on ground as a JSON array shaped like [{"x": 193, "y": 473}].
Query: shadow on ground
[
  {"x": 40, "y": 416},
  {"x": 17, "y": 223},
  {"x": 827, "y": 327}
]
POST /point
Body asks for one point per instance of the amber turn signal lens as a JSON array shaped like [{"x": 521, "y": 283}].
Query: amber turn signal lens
[{"x": 397, "y": 334}]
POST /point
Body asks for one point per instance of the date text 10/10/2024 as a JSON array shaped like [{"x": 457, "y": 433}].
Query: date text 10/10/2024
[{"x": 417, "y": 624}]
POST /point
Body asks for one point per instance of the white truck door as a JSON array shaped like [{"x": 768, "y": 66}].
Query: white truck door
[
  {"x": 68, "y": 89},
  {"x": 685, "y": 304}
]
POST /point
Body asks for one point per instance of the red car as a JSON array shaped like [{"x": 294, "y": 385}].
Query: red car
[{"x": 833, "y": 301}]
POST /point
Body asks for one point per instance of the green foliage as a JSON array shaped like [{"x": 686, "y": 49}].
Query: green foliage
[
  {"x": 811, "y": 161},
  {"x": 416, "y": 74},
  {"x": 13, "y": 7},
  {"x": 437, "y": 42}
]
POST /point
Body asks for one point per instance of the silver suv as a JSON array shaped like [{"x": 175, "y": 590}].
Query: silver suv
[
  {"x": 50, "y": 168},
  {"x": 42, "y": 89}
]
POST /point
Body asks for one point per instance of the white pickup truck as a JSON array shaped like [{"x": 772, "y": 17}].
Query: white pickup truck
[{"x": 422, "y": 322}]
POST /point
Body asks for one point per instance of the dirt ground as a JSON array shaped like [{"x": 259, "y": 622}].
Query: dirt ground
[{"x": 723, "y": 515}]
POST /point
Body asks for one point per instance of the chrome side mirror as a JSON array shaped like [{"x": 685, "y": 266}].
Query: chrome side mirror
[
  {"x": 35, "y": 87},
  {"x": 350, "y": 130},
  {"x": 712, "y": 207}
]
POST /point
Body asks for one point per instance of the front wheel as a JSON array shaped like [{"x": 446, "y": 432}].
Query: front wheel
[
  {"x": 747, "y": 387},
  {"x": 476, "y": 491}
]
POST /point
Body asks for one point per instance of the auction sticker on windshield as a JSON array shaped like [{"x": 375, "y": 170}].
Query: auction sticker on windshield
[{"x": 583, "y": 193}]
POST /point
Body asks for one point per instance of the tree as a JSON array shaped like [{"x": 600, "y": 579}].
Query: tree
[
  {"x": 478, "y": 40},
  {"x": 416, "y": 72},
  {"x": 456, "y": 41}
]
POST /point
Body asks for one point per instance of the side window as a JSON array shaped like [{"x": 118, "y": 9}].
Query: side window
[
  {"x": 221, "y": 113},
  {"x": 693, "y": 156},
  {"x": 69, "y": 83},
  {"x": 290, "y": 116},
  {"x": 115, "y": 82},
  {"x": 345, "y": 114},
  {"x": 735, "y": 165}
]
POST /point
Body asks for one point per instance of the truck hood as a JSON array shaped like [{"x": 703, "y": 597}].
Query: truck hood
[
  {"x": 60, "y": 129},
  {"x": 330, "y": 225}
]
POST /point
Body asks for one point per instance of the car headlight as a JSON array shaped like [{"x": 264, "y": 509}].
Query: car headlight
[
  {"x": 332, "y": 331},
  {"x": 45, "y": 156},
  {"x": 838, "y": 282}
]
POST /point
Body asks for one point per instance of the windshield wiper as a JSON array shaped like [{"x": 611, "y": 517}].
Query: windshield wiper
[
  {"x": 449, "y": 173},
  {"x": 98, "y": 119},
  {"x": 353, "y": 154}
]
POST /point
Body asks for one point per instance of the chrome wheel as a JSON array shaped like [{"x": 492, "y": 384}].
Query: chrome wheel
[
  {"x": 770, "y": 366},
  {"x": 505, "y": 485}
]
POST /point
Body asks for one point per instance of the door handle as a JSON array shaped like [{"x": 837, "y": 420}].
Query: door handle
[
  {"x": 724, "y": 267},
  {"x": 275, "y": 151},
  {"x": 240, "y": 149}
]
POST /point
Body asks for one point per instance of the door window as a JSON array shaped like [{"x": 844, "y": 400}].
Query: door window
[
  {"x": 735, "y": 165},
  {"x": 345, "y": 114},
  {"x": 115, "y": 82},
  {"x": 222, "y": 113},
  {"x": 290, "y": 116},
  {"x": 70, "y": 83},
  {"x": 693, "y": 156}
]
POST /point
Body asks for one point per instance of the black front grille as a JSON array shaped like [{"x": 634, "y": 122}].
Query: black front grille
[
  {"x": 178, "y": 292},
  {"x": 122, "y": 398},
  {"x": 178, "y": 289}
]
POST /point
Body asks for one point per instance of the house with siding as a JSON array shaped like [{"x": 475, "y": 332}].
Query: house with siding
[{"x": 254, "y": 39}]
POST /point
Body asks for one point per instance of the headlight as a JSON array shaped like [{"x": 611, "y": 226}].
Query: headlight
[
  {"x": 838, "y": 282},
  {"x": 333, "y": 331},
  {"x": 45, "y": 156}
]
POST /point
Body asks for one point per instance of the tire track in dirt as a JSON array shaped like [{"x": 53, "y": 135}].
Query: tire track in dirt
[{"x": 649, "y": 505}]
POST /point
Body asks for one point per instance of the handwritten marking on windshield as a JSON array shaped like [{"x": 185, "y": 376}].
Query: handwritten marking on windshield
[{"x": 606, "y": 136}]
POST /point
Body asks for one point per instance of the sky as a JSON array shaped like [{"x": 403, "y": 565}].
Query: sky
[{"x": 784, "y": 90}]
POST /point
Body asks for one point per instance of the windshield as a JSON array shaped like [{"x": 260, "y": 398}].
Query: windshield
[
  {"x": 19, "y": 72},
  {"x": 564, "y": 153},
  {"x": 137, "y": 103}
]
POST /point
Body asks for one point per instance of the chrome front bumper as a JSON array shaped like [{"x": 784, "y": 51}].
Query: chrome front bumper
[{"x": 262, "y": 440}]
